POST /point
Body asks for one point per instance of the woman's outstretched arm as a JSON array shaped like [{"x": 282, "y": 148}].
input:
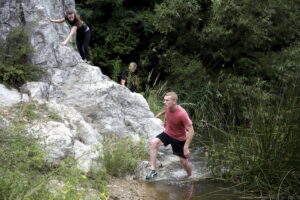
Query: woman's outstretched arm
[
  {"x": 56, "y": 20},
  {"x": 71, "y": 34}
]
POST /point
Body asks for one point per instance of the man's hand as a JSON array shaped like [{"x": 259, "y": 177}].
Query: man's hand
[{"x": 186, "y": 152}]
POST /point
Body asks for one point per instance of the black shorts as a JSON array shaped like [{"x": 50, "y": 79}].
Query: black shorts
[{"x": 177, "y": 146}]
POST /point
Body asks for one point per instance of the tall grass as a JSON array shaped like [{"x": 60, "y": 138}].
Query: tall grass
[
  {"x": 121, "y": 155},
  {"x": 264, "y": 153},
  {"x": 154, "y": 93}
]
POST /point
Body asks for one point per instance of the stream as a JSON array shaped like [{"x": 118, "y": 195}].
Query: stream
[
  {"x": 204, "y": 190},
  {"x": 172, "y": 184}
]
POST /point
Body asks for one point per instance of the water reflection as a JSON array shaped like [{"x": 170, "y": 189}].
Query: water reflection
[{"x": 204, "y": 190}]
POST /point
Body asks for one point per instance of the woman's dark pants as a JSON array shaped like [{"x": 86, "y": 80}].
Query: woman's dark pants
[{"x": 83, "y": 41}]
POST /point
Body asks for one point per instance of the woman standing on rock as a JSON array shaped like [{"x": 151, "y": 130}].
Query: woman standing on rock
[{"x": 82, "y": 31}]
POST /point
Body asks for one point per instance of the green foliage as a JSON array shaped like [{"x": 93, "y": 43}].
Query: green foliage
[
  {"x": 263, "y": 152},
  {"x": 264, "y": 156},
  {"x": 117, "y": 68},
  {"x": 234, "y": 63},
  {"x": 121, "y": 155},
  {"x": 173, "y": 15},
  {"x": 54, "y": 116},
  {"x": 154, "y": 99},
  {"x": 28, "y": 110},
  {"x": 15, "y": 68},
  {"x": 99, "y": 179},
  {"x": 31, "y": 111},
  {"x": 22, "y": 163},
  {"x": 154, "y": 94},
  {"x": 77, "y": 185}
]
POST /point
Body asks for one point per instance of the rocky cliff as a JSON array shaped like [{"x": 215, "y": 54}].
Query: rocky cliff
[{"x": 89, "y": 102}]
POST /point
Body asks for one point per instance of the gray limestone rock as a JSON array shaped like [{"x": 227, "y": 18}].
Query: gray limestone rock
[
  {"x": 10, "y": 96},
  {"x": 3, "y": 122},
  {"x": 103, "y": 105},
  {"x": 56, "y": 139}
]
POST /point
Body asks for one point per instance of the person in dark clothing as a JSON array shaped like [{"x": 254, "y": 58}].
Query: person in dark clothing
[
  {"x": 129, "y": 75},
  {"x": 82, "y": 31}
]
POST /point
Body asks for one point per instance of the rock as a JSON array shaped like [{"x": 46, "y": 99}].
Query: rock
[
  {"x": 9, "y": 97},
  {"x": 72, "y": 137},
  {"x": 3, "y": 122},
  {"x": 38, "y": 91},
  {"x": 55, "y": 138},
  {"x": 87, "y": 156},
  {"x": 56, "y": 187},
  {"x": 82, "y": 130}
]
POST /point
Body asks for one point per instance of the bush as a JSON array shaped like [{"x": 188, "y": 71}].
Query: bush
[
  {"x": 121, "y": 155},
  {"x": 22, "y": 165},
  {"x": 15, "y": 67}
]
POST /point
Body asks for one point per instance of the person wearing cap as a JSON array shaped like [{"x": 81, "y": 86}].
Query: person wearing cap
[{"x": 82, "y": 31}]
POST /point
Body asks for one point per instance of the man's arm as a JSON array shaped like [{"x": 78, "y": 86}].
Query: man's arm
[
  {"x": 188, "y": 141},
  {"x": 159, "y": 114}
]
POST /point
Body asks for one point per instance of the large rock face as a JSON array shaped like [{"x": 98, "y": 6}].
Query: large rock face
[{"x": 104, "y": 105}]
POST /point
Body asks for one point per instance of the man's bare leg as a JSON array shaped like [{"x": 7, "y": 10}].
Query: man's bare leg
[
  {"x": 155, "y": 143},
  {"x": 187, "y": 166}
]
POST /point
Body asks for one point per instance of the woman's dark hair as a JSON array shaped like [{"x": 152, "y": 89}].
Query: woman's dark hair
[{"x": 77, "y": 18}]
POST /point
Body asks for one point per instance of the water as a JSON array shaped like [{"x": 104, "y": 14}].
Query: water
[
  {"x": 204, "y": 190},
  {"x": 171, "y": 183}
]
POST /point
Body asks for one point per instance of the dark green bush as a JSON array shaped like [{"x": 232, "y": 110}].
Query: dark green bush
[{"x": 15, "y": 67}]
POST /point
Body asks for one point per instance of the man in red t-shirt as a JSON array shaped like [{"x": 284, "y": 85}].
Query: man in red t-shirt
[{"x": 178, "y": 132}]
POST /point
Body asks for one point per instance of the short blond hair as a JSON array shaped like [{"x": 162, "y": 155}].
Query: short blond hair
[
  {"x": 173, "y": 95},
  {"x": 132, "y": 66}
]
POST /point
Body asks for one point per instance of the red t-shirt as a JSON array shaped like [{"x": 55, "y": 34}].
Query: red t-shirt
[{"x": 176, "y": 123}]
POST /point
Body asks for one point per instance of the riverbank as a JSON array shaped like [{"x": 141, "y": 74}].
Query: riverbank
[{"x": 122, "y": 189}]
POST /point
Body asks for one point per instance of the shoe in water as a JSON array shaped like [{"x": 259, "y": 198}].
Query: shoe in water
[{"x": 151, "y": 174}]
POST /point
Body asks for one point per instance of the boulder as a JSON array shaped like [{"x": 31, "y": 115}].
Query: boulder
[
  {"x": 55, "y": 138},
  {"x": 9, "y": 97}
]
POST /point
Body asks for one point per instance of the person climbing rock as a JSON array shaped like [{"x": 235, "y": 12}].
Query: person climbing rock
[
  {"x": 178, "y": 132},
  {"x": 129, "y": 75},
  {"x": 82, "y": 31}
]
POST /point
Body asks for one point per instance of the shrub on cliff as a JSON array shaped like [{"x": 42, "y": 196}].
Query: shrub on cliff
[{"x": 15, "y": 66}]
